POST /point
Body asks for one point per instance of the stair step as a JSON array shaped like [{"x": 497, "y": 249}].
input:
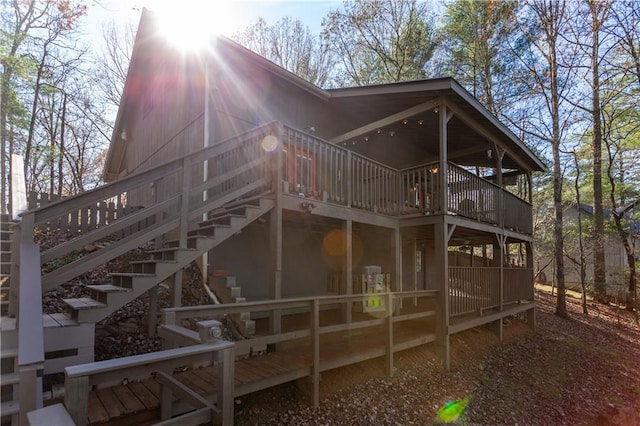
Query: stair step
[
  {"x": 207, "y": 230},
  {"x": 228, "y": 281},
  {"x": 10, "y": 408},
  {"x": 83, "y": 303},
  {"x": 167, "y": 253},
  {"x": 100, "y": 292},
  {"x": 223, "y": 219},
  {"x": 106, "y": 288},
  {"x": 125, "y": 279},
  {"x": 10, "y": 379},
  {"x": 7, "y": 324},
  {"x": 192, "y": 242},
  {"x": 147, "y": 266},
  {"x": 58, "y": 320},
  {"x": 8, "y": 353},
  {"x": 132, "y": 274}
]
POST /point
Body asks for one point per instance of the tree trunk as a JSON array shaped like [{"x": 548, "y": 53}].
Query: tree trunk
[{"x": 599, "y": 266}]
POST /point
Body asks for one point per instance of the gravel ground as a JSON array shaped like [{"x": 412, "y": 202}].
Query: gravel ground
[{"x": 581, "y": 371}]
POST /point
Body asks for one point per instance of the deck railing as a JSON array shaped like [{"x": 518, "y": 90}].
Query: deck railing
[
  {"x": 80, "y": 379},
  {"x": 419, "y": 189},
  {"x": 318, "y": 169},
  {"x": 392, "y": 310},
  {"x": 473, "y": 289},
  {"x": 374, "y": 186}
]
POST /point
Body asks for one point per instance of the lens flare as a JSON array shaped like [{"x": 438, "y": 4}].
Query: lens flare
[
  {"x": 269, "y": 143},
  {"x": 452, "y": 411}
]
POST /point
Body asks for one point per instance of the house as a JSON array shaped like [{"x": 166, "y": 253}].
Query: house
[
  {"x": 615, "y": 255},
  {"x": 359, "y": 211}
]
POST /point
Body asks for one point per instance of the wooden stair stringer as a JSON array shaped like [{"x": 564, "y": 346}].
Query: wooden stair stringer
[{"x": 140, "y": 283}]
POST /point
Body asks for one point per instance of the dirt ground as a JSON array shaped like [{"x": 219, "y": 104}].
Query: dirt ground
[{"x": 579, "y": 371}]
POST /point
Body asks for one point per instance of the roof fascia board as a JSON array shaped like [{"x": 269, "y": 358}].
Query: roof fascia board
[
  {"x": 460, "y": 91},
  {"x": 389, "y": 89},
  {"x": 409, "y": 112}
]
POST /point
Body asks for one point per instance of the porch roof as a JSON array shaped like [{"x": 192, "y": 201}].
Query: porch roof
[{"x": 470, "y": 132}]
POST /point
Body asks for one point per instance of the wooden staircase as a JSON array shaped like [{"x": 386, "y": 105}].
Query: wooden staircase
[
  {"x": 164, "y": 262},
  {"x": 231, "y": 183},
  {"x": 9, "y": 376}
]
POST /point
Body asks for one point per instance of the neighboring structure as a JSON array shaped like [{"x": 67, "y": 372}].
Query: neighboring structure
[
  {"x": 615, "y": 255},
  {"x": 355, "y": 201}
]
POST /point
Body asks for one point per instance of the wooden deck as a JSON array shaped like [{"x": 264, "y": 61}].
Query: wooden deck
[
  {"x": 365, "y": 337},
  {"x": 138, "y": 402}
]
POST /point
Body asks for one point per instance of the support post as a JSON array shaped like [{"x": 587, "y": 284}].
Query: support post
[
  {"x": 225, "y": 362},
  {"x": 184, "y": 205},
  {"x": 397, "y": 282},
  {"x": 76, "y": 399},
  {"x": 315, "y": 348},
  {"x": 349, "y": 179},
  {"x": 152, "y": 315},
  {"x": 443, "y": 189},
  {"x": 177, "y": 286},
  {"x": 348, "y": 269},
  {"x": 441, "y": 262},
  {"x": 389, "y": 332},
  {"x": 275, "y": 233},
  {"x": 166, "y": 397}
]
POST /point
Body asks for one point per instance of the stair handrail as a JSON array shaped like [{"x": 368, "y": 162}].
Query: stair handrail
[
  {"x": 173, "y": 217},
  {"x": 55, "y": 209}
]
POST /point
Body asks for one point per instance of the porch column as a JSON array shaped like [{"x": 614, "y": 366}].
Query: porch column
[
  {"x": 348, "y": 268},
  {"x": 397, "y": 282},
  {"x": 498, "y": 261},
  {"x": 499, "y": 153},
  {"x": 441, "y": 269},
  {"x": 443, "y": 119},
  {"x": 530, "y": 314},
  {"x": 275, "y": 234}
]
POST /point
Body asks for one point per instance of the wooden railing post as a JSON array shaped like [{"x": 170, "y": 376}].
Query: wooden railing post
[
  {"x": 76, "y": 398},
  {"x": 349, "y": 178},
  {"x": 388, "y": 300},
  {"x": 30, "y": 325},
  {"x": 315, "y": 349},
  {"x": 225, "y": 384},
  {"x": 184, "y": 205}
]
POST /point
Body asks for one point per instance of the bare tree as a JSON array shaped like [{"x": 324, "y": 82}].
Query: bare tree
[
  {"x": 550, "y": 65},
  {"x": 380, "y": 41},
  {"x": 290, "y": 44}
]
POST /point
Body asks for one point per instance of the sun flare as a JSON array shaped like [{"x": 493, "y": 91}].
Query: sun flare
[{"x": 190, "y": 24}]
